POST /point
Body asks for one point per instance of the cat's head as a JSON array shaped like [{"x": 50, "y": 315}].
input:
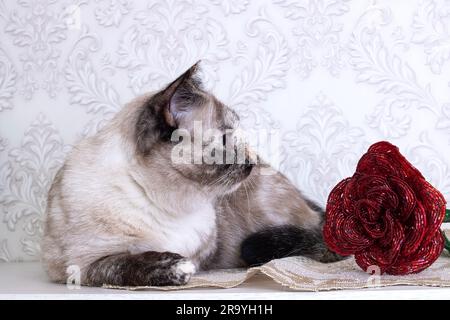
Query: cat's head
[{"x": 187, "y": 128}]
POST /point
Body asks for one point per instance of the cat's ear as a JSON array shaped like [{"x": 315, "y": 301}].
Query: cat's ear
[
  {"x": 182, "y": 96},
  {"x": 165, "y": 110}
]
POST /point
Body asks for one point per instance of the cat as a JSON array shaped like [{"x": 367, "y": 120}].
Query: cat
[{"x": 126, "y": 214}]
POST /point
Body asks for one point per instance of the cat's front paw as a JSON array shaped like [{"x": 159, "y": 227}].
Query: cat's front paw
[{"x": 182, "y": 271}]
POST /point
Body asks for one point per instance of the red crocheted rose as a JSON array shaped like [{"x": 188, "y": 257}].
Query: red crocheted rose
[{"x": 387, "y": 214}]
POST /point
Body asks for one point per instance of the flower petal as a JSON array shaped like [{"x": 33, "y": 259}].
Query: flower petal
[
  {"x": 383, "y": 255},
  {"x": 415, "y": 230},
  {"x": 406, "y": 195},
  {"x": 342, "y": 232},
  {"x": 422, "y": 259}
]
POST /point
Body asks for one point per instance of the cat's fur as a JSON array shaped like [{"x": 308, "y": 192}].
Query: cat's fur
[{"x": 125, "y": 214}]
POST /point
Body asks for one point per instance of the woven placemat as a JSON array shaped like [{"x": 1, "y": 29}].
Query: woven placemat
[{"x": 303, "y": 274}]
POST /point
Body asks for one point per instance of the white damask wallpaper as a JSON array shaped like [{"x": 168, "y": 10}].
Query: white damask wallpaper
[{"x": 333, "y": 75}]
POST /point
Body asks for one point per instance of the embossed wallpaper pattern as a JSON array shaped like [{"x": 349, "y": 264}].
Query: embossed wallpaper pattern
[{"x": 333, "y": 75}]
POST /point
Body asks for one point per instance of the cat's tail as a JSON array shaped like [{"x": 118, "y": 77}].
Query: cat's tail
[{"x": 285, "y": 241}]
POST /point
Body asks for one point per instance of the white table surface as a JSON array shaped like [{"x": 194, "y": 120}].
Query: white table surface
[{"x": 27, "y": 280}]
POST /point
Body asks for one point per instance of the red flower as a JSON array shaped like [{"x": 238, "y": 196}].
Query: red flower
[{"x": 387, "y": 214}]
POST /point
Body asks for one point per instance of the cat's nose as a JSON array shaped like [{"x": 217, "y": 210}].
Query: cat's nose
[
  {"x": 248, "y": 165},
  {"x": 251, "y": 157},
  {"x": 248, "y": 162}
]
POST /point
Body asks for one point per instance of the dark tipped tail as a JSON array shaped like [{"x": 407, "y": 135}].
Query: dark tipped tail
[{"x": 285, "y": 241}]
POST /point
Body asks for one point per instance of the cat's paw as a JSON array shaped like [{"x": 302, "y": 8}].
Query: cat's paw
[{"x": 182, "y": 271}]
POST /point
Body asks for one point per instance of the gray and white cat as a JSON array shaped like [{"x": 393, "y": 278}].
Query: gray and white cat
[{"x": 126, "y": 214}]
